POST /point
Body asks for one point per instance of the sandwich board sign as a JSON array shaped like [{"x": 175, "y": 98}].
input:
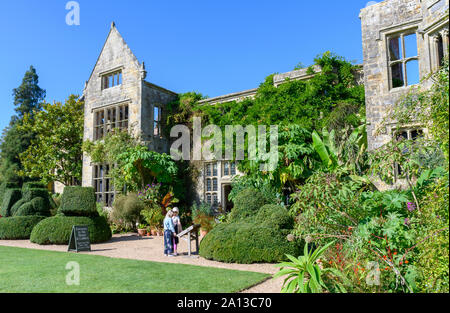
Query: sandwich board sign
[{"x": 79, "y": 239}]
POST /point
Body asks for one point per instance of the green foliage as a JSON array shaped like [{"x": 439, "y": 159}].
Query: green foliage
[
  {"x": 433, "y": 248},
  {"x": 37, "y": 206},
  {"x": 203, "y": 214},
  {"x": 304, "y": 275},
  {"x": 33, "y": 185},
  {"x": 27, "y": 99},
  {"x": 4, "y": 186},
  {"x": 58, "y": 125},
  {"x": 10, "y": 198},
  {"x": 31, "y": 193},
  {"x": 274, "y": 216},
  {"x": 140, "y": 166},
  {"x": 127, "y": 210},
  {"x": 78, "y": 201},
  {"x": 246, "y": 242},
  {"x": 258, "y": 238},
  {"x": 153, "y": 217},
  {"x": 247, "y": 203},
  {"x": 18, "y": 227},
  {"x": 57, "y": 229},
  {"x": 16, "y": 206}
]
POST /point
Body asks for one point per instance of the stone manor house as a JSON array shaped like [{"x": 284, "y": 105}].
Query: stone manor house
[{"x": 403, "y": 41}]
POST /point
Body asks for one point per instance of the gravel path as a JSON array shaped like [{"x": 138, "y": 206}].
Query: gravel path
[{"x": 131, "y": 246}]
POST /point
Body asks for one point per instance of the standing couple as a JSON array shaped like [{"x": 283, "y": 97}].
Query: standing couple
[{"x": 172, "y": 227}]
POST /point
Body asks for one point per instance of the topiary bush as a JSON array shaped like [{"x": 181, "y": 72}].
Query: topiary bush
[
  {"x": 30, "y": 193},
  {"x": 78, "y": 201},
  {"x": 16, "y": 206},
  {"x": 20, "y": 227},
  {"x": 57, "y": 229},
  {"x": 255, "y": 239},
  {"x": 4, "y": 186},
  {"x": 246, "y": 243},
  {"x": 247, "y": 203},
  {"x": 33, "y": 185},
  {"x": 10, "y": 198},
  {"x": 38, "y": 206}
]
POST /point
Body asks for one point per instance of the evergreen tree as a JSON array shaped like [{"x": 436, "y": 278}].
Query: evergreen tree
[{"x": 27, "y": 100}]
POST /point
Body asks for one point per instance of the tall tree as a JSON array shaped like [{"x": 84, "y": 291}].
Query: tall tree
[
  {"x": 55, "y": 152},
  {"x": 28, "y": 96},
  {"x": 27, "y": 100}
]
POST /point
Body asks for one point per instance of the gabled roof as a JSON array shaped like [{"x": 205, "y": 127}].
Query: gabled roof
[{"x": 113, "y": 29}]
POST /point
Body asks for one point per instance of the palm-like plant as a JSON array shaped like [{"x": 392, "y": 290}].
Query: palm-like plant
[{"x": 304, "y": 274}]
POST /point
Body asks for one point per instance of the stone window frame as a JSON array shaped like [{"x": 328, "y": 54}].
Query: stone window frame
[
  {"x": 229, "y": 168},
  {"x": 157, "y": 121},
  {"x": 102, "y": 183},
  {"x": 115, "y": 76},
  {"x": 441, "y": 35},
  {"x": 110, "y": 117},
  {"x": 408, "y": 129},
  {"x": 402, "y": 33},
  {"x": 211, "y": 189}
]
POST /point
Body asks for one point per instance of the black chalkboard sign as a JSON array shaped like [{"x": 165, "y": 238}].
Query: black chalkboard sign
[{"x": 79, "y": 239}]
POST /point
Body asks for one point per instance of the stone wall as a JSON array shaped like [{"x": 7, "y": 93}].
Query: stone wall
[{"x": 379, "y": 22}]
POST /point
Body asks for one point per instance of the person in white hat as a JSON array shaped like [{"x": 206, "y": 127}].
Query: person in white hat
[{"x": 178, "y": 228}]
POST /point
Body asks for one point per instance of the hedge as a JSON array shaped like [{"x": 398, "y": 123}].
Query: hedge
[
  {"x": 10, "y": 198},
  {"x": 31, "y": 193},
  {"x": 260, "y": 238},
  {"x": 19, "y": 227},
  {"x": 57, "y": 229},
  {"x": 38, "y": 206},
  {"x": 33, "y": 185},
  {"x": 78, "y": 201},
  {"x": 4, "y": 186},
  {"x": 247, "y": 203}
]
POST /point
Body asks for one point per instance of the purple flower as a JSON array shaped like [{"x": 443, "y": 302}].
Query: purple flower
[
  {"x": 406, "y": 221},
  {"x": 411, "y": 206}
]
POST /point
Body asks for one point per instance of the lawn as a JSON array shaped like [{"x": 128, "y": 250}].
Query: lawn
[{"x": 28, "y": 270}]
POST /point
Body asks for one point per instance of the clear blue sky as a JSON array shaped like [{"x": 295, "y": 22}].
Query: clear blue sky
[{"x": 211, "y": 46}]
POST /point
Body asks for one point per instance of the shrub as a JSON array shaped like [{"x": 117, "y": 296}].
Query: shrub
[
  {"x": 33, "y": 185},
  {"x": 78, "y": 201},
  {"x": 57, "y": 229},
  {"x": 16, "y": 206},
  {"x": 262, "y": 238},
  {"x": 10, "y": 198},
  {"x": 4, "y": 186},
  {"x": 38, "y": 206},
  {"x": 275, "y": 216},
  {"x": 31, "y": 193},
  {"x": 127, "y": 210},
  {"x": 20, "y": 227},
  {"x": 247, "y": 203},
  {"x": 245, "y": 242}
]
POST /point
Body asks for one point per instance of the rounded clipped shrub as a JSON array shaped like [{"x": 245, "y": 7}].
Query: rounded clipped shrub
[
  {"x": 245, "y": 242},
  {"x": 16, "y": 206},
  {"x": 247, "y": 203},
  {"x": 78, "y": 201},
  {"x": 38, "y": 206},
  {"x": 10, "y": 198},
  {"x": 57, "y": 229},
  {"x": 19, "y": 227}
]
